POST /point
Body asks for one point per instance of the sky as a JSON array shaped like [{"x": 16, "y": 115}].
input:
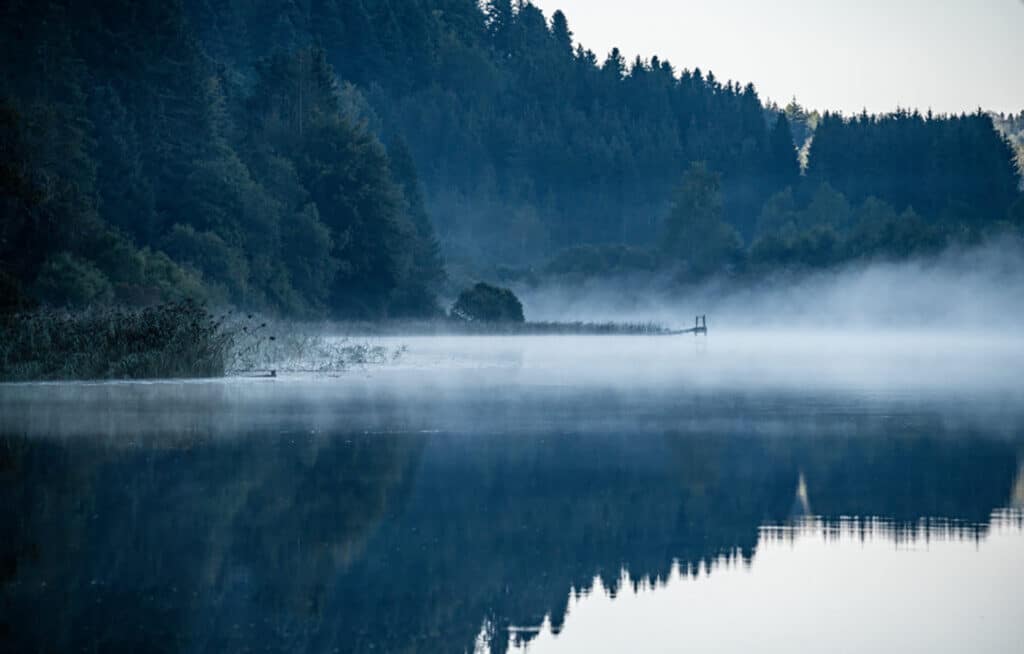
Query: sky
[{"x": 944, "y": 55}]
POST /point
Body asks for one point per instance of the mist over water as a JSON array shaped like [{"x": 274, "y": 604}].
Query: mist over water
[
  {"x": 765, "y": 380},
  {"x": 779, "y": 483},
  {"x": 978, "y": 289}
]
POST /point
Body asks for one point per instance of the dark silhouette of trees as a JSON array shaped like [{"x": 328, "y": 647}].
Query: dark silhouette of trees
[
  {"x": 232, "y": 148},
  {"x": 696, "y": 235},
  {"x": 952, "y": 169},
  {"x": 155, "y": 171},
  {"x": 486, "y": 303}
]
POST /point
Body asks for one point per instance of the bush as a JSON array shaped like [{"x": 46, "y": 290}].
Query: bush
[
  {"x": 180, "y": 340},
  {"x": 69, "y": 280},
  {"x": 486, "y": 303}
]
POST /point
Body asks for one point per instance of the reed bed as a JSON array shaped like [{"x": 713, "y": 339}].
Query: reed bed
[
  {"x": 480, "y": 328},
  {"x": 178, "y": 340}
]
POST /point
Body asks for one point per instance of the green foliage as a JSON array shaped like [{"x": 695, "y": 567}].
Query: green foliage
[
  {"x": 209, "y": 149},
  {"x": 206, "y": 252},
  {"x": 695, "y": 234},
  {"x": 507, "y": 122},
  {"x": 827, "y": 231},
  {"x": 269, "y": 193},
  {"x": 784, "y": 164},
  {"x": 957, "y": 168},
  {"x": 827, "y": 207},
  {"x": 13, "y": 297},
  {"x": 802, "y": 123},
  {"x": 66, "y": 280},
  {"x": 596, "y": 260},
  {"x": 171, "y": 340},
  {"x": 816, "y": 247},
  {"x": 1012, "y": 128},
  {"x": 486, "y": 303}
]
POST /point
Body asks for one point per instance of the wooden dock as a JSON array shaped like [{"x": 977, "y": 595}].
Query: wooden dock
[{"x": 700, "y": 326}]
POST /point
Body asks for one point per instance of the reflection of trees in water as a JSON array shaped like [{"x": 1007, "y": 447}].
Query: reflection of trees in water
[
  {"x": 1017, "y": 498},
  {"x": 869, "y": 528},
  {"x": 291, "y": 543},
  {"x": 213, "y": 546}
]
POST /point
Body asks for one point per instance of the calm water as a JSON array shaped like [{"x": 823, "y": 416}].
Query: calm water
[{"x": 746, "y": 492}]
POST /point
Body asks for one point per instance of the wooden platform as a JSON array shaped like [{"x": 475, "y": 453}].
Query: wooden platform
[{"x": 700, "y": 326}]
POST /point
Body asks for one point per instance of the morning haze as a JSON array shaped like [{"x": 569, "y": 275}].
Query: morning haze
[
  {"x": 366, "y": 326},
  {"x": 948, "y": 55}
]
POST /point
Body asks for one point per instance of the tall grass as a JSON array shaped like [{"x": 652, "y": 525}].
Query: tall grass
[
  {"x": 179, "y": 340},
  {"x": 261, "y": 347},
  {"x": 455, "y": 327},
  {"x": 170, "y": 341}
]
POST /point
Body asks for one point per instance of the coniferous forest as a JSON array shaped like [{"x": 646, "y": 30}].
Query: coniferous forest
[{"x": 341, "y": 158}]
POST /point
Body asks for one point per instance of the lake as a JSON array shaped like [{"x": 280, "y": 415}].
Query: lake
[{"x": 841, "y": 491}]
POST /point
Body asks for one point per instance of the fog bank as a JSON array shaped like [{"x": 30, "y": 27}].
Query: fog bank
[{"x": 980, "y": 288}]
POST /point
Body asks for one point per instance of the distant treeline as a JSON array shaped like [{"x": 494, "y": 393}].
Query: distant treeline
[
  {"x": 1012, "y": 127},
  {"x": 234, "y": 150}
]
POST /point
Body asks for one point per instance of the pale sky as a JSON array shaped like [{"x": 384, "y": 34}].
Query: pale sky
[{"x": 947, "y": 55}]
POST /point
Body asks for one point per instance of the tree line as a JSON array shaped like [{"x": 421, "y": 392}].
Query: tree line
[
  {"x": 1012, "y": 127},
  {"x": 137, "y": 168},
  {"x": 310, "y": 157}
]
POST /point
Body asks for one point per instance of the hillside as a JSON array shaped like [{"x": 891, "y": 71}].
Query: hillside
[{"x": 321, "y": 158}]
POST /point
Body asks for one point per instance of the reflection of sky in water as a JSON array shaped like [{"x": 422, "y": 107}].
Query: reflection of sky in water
[
  {"x": 485, "y": 480},
  {"x": 936, "y": 589}
]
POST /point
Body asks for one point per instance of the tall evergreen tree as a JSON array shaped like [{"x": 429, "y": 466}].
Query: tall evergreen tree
[
  {"x": 561, "y": 33},
  {"x": 783, "y": 154}
]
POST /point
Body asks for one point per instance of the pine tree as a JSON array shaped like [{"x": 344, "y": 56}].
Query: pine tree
[
  {"x": 783, "y": 155},
  {"x": 500, "y": 21},
  {"x": 428, "y": 265},
  {"x": 614, "y": 67},
  {"x": 561, "y": 33}
]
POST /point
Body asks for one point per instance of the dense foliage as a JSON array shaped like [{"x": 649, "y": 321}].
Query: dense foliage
[
  {"x": 1012, "y": 127},
  {"x": 526, "y": 142},
  {"x": 138, "y": 168},
  {"x": 233, "y": 150},
  {"x": 956, "y": 168},
  {"x": 486, "y": 303},
  {"x": 179, "y": 340}
]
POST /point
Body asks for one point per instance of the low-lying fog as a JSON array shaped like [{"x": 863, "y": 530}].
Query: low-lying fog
[
  {"x": 980, "y": 288},
  {"x": 927, "y": 338},
  {"x": 766, "y": 382}
]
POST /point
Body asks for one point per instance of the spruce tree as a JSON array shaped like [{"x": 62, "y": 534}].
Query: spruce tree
[
  {"x": 783, "y": 155},
  {"x": 561, "y": 33}
]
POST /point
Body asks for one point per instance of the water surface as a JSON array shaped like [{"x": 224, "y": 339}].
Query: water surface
[{"x": 741, "y": 492}]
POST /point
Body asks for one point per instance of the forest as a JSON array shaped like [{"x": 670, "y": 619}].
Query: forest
[
  {"x": 1012, "y": 127},
  {"x": 365, "y": 159}
]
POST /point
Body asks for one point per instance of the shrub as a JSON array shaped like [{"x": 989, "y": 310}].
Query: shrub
[{"x": 486, "y": 303}]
